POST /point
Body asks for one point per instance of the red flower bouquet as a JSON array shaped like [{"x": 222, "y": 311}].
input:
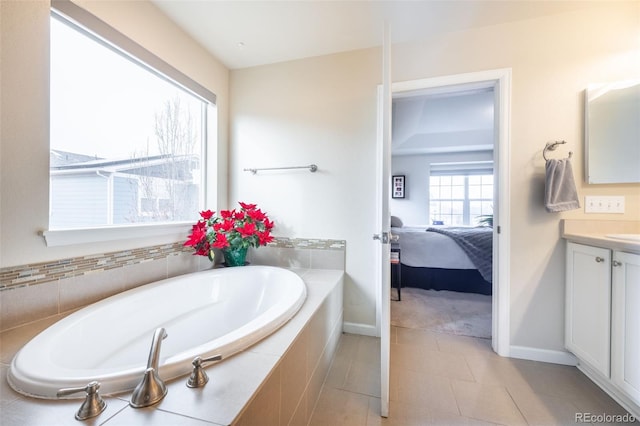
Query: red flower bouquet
[{"x": 231, "y": 230}]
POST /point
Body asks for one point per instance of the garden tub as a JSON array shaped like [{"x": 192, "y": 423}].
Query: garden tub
[{"x": 219, "y": 311}]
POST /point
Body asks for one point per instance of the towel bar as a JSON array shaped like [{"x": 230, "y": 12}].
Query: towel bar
[
  {"x": 312, "y": 168},
  {"x": 551, "y": 146}
]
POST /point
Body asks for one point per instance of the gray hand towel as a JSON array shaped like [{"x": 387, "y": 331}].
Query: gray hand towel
[{"x": 560, "y": 192}]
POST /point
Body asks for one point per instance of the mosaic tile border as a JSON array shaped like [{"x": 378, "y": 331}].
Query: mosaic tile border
[
  {"x": 308, "y": 243},
  {"x": 38, "y": 273}
]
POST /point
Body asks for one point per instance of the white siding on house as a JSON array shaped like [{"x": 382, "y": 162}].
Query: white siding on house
[
  {"x": 125, "y": 200},
  {"x": 78, "y": 201}
]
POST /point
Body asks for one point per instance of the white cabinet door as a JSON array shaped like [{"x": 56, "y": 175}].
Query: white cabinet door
[
  {"x": 625, "y": 342},
  {"x": 588, "y": 305}
]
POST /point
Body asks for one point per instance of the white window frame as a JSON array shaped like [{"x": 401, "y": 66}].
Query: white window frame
[
  {"x": 464, "y": 169},
  {"x": 176, "y": 231}
]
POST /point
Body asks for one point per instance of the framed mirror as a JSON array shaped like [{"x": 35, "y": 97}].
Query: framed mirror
[{"x": 612, "y": 132}]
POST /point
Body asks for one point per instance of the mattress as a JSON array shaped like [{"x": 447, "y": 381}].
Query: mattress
[{"x": 430, "y": 250}]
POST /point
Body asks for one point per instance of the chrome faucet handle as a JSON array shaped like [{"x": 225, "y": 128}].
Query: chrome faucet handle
[
  {"x": 198, "y": 376},
  {"x": 92, "y": 405}
]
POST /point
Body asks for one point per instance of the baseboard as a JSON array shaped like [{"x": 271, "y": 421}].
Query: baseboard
[
  {"x": 543, "y": 355},
  {"x": 357, "y": 328}
]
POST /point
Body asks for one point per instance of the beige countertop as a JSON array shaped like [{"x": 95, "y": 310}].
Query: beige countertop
[{"x": 595, "y": 233}]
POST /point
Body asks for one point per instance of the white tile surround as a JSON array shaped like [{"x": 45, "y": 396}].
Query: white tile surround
[{"x": 275, "y": 382}]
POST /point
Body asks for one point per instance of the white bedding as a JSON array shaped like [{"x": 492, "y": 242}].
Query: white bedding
[{"x": 430, "y": 249}]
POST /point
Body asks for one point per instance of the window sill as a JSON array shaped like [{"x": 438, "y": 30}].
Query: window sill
[{"x": 66, "y": 237}]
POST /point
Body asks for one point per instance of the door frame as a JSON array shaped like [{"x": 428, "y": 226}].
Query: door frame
[{"x": 500, "y": 80}]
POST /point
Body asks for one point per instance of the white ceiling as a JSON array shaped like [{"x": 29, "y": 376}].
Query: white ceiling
[
  {"x": 245, "y": 33},
  {"x": 248, "y": 33},
  {"x": 458, "y": 121}
]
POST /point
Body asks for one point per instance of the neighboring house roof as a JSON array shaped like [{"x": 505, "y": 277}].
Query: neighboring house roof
[
  {"x": 177, "y": 167},
  {"x": 59, "y": 158}
]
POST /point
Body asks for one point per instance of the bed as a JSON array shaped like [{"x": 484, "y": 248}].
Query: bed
[{"x": 446, "y": 258}]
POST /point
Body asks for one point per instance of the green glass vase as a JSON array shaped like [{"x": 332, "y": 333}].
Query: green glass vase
[{"x": 235, "y": 256}]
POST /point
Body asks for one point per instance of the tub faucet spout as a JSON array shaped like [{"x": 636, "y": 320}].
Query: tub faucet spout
[{"x": 151, "y": 389}]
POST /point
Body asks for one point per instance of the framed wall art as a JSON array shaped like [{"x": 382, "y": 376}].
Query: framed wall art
[{"x": 397, "y": 186}]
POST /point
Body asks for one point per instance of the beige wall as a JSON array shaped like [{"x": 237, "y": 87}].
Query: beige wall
[
  {"x": 24, "y": 114},
  {"x": 323, "y": 111}
]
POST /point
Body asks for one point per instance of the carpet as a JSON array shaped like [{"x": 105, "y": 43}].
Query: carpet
[{"x": 465, "y": 314}]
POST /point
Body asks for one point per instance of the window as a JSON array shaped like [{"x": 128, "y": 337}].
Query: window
[
  {"x": 127, "y": 140},
  {"x": 460, "y": 199}
]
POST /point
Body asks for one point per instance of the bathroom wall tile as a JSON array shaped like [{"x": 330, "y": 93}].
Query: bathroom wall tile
[
  {"x": 299, "y": 417},
  {"x": 283, "y": 257},
  {"x": 231, "y": 384},
  {"x": 323, "y": 275},
  {"x": 25, "y": 304},
  {"x": 324, "y": 364},
  {"x": 144, "y": 273},
  {"x": 319, "y": 375},
  {"x": 13, "y": 340},
  {"x": 318, "y": 328},
  {"x": 183, "y": 263},
  {"x": 327, "y": 259},
  {"x": 294, "y": 377},
  {"x": 264, "y": 410},
  {"x": 85, "y": 289}
]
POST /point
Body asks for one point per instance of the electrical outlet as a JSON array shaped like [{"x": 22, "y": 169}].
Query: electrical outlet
[{"x": 603, "y": 204}]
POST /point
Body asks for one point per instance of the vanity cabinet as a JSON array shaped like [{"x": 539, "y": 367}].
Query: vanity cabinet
[
  {"x": 625, "y": 324},
  {"x": 588, "y": 308},
  {"x": 602, "y": 324}
]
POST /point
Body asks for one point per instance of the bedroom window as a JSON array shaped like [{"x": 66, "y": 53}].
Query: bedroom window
[
  {"x": 128, "y": 132},
  {"x": 461, "y": 199}
]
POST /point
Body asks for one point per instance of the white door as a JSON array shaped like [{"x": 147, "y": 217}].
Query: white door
[{"x": 383, "y": 222}]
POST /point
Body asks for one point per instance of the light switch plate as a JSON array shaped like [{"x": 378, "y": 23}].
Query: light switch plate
[{"x": 604, "y": 204}]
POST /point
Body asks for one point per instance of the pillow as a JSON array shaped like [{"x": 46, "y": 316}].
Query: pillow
[{"x": 396, "y": 222}]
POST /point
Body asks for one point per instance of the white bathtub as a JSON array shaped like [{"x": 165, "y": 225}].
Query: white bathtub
[{"x": 220, "y": 311}]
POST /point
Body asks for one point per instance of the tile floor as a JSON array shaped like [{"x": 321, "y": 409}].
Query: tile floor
[{"x": 444, "y": 379}]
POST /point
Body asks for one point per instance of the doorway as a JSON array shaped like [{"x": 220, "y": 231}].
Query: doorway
[
  {"x": 443, "y": 143},
  {"x": 500, "y": 81}
]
